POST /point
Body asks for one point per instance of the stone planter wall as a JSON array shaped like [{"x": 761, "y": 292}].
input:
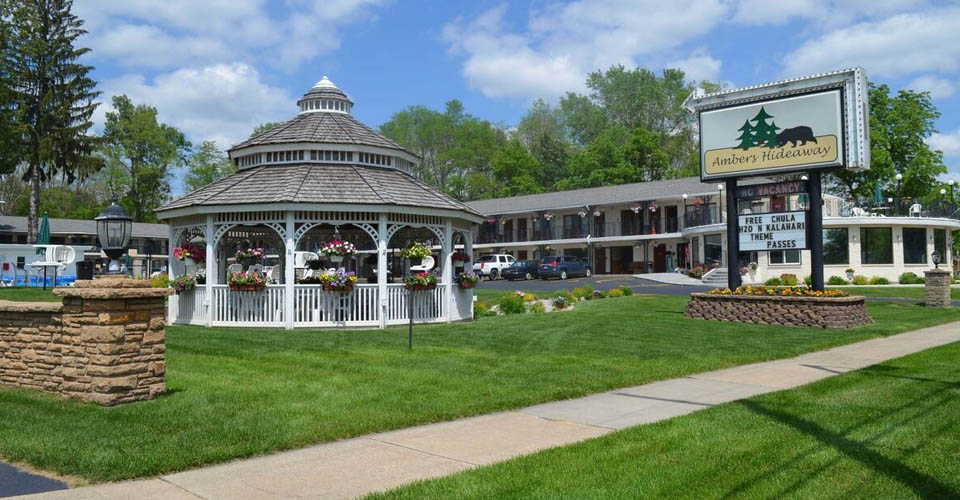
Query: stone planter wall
[
  {"x": 104, "y": 343},
  {"x": 937, "y": 288},
  {"x": 823, "y": 312}
]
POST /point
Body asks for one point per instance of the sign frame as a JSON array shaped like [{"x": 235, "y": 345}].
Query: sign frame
[
  {"x": 806, "y": 230},
  {"x": 854, "y": 120}
]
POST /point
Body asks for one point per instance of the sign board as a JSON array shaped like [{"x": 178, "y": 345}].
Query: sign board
[
  {"x": 773, "y": 231},
  {"x": 803, "y": 124},
  {"x": 771, "y": 189}
]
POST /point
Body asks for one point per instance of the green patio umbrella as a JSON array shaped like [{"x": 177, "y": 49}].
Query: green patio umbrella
[
  {"x": 878, "y": 196},
  {"x": 44, "y": 239}
]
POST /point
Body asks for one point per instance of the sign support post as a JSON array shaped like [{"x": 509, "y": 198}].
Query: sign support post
[
  {"x": 733, "y": 236},
  {"x": 815, "y": 229}
]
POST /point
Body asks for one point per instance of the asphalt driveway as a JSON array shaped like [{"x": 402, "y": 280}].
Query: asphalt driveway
[{"x": 14, "y": 481}]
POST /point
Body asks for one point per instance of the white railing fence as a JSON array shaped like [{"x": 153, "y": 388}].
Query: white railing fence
[
  {"x": 314, "y": 307},
  {"x": 234, "y": 308}
]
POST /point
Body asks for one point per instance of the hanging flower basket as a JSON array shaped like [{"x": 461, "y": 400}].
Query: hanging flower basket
[
  {"x": 250, "y": 256},
  {"x": 247, "y": 281},
  {"x": 183, "y": 283},
  {"x": 415, "y": 253},
  {"x": 466, "y": 279},
  {"x": 189, "y": 253},
  {"x": 338, "y": 281},
  {"x": 336, "y": 250},
  {"x": 420, "y": 282}
]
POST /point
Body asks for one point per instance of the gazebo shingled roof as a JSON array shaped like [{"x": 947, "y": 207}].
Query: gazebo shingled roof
[
  {"x": 319, "y": 184},
  {"x": 326, "y": 128}
]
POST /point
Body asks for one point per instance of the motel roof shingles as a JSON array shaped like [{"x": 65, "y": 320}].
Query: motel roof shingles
[{"x": 319, "y": 183}]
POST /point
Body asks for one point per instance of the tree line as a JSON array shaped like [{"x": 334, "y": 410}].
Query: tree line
[{"x": 629, "y": 126}]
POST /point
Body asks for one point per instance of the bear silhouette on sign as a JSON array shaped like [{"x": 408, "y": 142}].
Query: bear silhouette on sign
[{"x": 802, "y": 133}]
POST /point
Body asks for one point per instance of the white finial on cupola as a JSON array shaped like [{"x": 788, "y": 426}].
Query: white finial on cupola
[{"x": 324, "y": 83}]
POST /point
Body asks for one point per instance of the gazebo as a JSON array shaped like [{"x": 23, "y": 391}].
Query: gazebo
[{"x": 321, "y": 177}]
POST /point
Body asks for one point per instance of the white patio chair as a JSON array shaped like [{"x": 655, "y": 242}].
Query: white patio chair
[
  {"x": 425, "y": 265},
  {"x": 255, "y": 268},
  {"x": 858, "y": 212},
  {"x": 234, "y": 268},
  {"x": 273, "y": 275},
  {"x": 916, "y": 210}
]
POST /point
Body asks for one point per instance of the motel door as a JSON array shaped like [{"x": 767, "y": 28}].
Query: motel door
[
  {"x": 599, "y": 260},
  {"x": 660, "y": 258}
]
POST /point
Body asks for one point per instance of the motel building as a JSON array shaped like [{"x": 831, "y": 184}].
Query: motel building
[{"x": 676, "y": 225}]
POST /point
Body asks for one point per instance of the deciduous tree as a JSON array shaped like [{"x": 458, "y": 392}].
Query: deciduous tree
[{"x": 205, "y": 165}]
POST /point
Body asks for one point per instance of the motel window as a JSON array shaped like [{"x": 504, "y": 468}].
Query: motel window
[
  {"x": 940, "y": 243},
  {"x": 785, "y": 257},
  {"x": 914, "y": 245},
  {"x": 876, "y": 245},
  {"x": 836, "y": 249}
]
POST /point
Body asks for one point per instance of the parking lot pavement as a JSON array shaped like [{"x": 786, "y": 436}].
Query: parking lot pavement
[{"x": 598, "y": 282}]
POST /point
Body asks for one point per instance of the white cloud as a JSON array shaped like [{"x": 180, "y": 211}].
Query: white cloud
[
  {"x": 939, "y": 88},
  {"x": 564, "y": 42},
  {"x": 832, "y": 13},
  {"x": 948, "y": 143},
  {"x": 172, "y": 33},
  {"x": 895, "y": 46},
  {"x": 699, "y": 67},
  {"x": 222, "y": 102}
]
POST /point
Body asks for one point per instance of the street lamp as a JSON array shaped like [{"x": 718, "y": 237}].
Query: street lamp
[
  {"x": 114, "y": 226},
  {"x": 936, "y": 259},
  {"x": 952, "y": 199},
  {"x": 720, "y": 201},
  {"x": 899, "y": 178}
]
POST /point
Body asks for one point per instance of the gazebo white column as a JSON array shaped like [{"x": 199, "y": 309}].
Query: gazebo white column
[
  {"x": 447, "y": 250},
  {"x": 382, "y": 271},
  {"x": 209, "y": 273},
  {"x": 173, "y": 303},
  {"x": 289, "y": 275},
  {"x": 468, "y": 245}
]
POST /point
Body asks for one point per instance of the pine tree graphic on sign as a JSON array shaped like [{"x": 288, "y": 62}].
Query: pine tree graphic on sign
[
  {"x": 746, "y": 138},
  {"x": 765, "y": 134}
]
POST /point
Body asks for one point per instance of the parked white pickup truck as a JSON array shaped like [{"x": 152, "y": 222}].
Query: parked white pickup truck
[{"x": 491, "y": 266}]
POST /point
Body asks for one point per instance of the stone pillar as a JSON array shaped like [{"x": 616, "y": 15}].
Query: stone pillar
[
  {"x": 113, "y": 332},
  {"x": 937, "y": 287}
]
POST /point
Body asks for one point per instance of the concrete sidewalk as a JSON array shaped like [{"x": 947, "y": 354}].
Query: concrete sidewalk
[{"x": 355, "y": 467}]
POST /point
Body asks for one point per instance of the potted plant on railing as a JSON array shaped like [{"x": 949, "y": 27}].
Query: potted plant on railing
[
  {"x": 850, "y": 272},
  {"x": 250, "y": 256},
  {"x": 467, "y": 279},
  {"x": 338, "y": 281},
  {"x": 336, "y": 250},
  {"x": 183, "y": 283},
  {"x": 245, "y": 281},
  {"x": 420, "y": 282},
  {"x": 459, "y": 259},
  {"x": 415, "y": 253},
  {"x": 189, "y": 254}
]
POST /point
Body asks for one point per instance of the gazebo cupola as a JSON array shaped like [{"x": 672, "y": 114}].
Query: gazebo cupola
[{"x": 325, "y": 97}]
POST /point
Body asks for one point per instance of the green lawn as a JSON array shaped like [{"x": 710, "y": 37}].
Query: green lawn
[
  {"x": 887, "y": 431},
  {"x": 916, "y": 292},
  {"x": 28, "y": 294},
  {"x": 242, "y": 392}
]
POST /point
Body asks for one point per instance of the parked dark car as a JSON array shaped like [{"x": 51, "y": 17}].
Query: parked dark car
[
  {"x": 522, "y": 270},
  {"x": 563, "y": 267}
]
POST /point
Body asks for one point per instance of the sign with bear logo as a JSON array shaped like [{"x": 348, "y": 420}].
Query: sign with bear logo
[
  {"x": 803, "y": 131},
  {"x": 803, "y": 124}
]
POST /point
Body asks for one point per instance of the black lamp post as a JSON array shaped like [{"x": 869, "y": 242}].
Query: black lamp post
[
  {"x": 936, "y": 259},
  {"x": 114, "y": 226},
  {"x": 952, "y": 199}
]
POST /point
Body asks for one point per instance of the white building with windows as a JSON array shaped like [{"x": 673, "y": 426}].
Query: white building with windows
[{"x": 679, "y": 224}]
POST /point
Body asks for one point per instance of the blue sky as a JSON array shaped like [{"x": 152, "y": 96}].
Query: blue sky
[{"x": 217, "y": 68}]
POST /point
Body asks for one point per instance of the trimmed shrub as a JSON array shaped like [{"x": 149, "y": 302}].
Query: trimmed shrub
[
  {"x": 808, "y": 280},
  {"x": 879, "y": 280},
  {"x": 836, "y": 280},
  {"x": 615, "y": 292},
  {"x": 529, "y": 297},
  {"x": 161, "y": 281},
  {"x": 909, "y": 278},
  {"x": 480, "y": 310},
  {"x": 860, "y": 280},
  {"x": 585, "y": 292},
  {"x": 538, "y": 308},
  {"x": 774, "y": 281},
  {"x": 512, "y": 304},
  {"x": 788, "y": 279},
  {"x": 627, "y": 291}
]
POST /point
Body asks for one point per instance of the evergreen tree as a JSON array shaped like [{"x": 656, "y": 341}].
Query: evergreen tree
[
  {"x": 766, "y": 134},
  {"x": 746, "y": 137},
  {"x": 51, "y": 94}
]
